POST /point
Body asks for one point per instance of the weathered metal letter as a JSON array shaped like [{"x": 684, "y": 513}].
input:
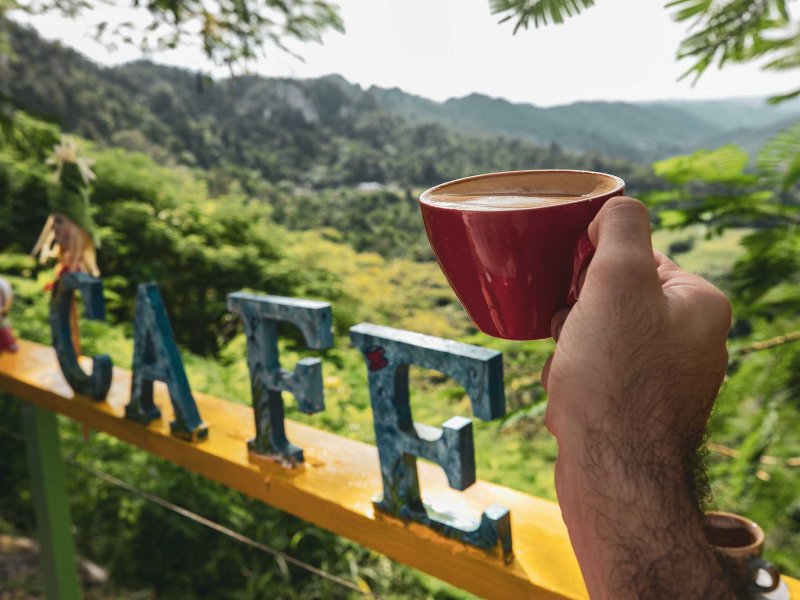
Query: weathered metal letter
[
  {"x": 260, "y": 315},
  {"x": 95, "y": 385},
  {"x": 156, "y": 357},
  {"x": 388, "y": 353}
]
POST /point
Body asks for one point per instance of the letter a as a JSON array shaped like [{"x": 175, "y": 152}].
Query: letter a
[{"x": 156, "y": 357}]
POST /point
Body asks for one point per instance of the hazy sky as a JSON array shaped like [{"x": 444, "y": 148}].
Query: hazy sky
[{"x": 617, "y": 50}]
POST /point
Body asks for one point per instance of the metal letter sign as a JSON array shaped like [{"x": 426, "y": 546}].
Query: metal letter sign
[
  {"x": 260, "y": 315},
  {"x": 95, "y": 385},
  {"x": 156, "y": 357},
  {"x": 388, "y": 353}
]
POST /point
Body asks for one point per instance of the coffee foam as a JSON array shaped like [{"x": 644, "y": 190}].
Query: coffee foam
[
  {"x": 549, "y": 186},
  {"x": 500, "y": 201}
]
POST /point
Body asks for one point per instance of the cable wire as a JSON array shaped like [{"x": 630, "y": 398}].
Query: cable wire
[{"x": 192, "y": 516}]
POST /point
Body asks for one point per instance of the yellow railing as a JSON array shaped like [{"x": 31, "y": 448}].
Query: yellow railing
[{"x": 333, "y": 489}]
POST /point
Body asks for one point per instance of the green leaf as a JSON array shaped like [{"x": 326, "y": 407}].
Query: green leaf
[
  {"x": 541, "y": 12},
  {"x": 751, "y": 450},
  {"x": 725, "y": 164},
  {"x": 732, "y": 31},
  {"x": 672, "y": 218},
  {"x": 779, "y": 159}
]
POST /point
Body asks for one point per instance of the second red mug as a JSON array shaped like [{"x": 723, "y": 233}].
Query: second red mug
[{"x": 512, "y": 245}]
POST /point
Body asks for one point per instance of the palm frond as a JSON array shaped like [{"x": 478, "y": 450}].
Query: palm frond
[
  {"x": 790, "y": 57},
  {"x": 728, "y": 30},
  {"x": 784, "y": 97},
  {"x": 779, "y": 159},
  {"x": 688, "y": 8},
  {"x": 721, "y": 165},
  {"x": 540, "y": 12}
]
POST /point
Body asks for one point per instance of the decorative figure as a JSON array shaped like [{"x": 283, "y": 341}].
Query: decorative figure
[
  {"x": 69, "y": 236},
  {"x": 156, "y": 357},
  {"x": 260, "y": 315},
  {"x": 388, "y": 353},
  {"x": 8, "y": 342}
]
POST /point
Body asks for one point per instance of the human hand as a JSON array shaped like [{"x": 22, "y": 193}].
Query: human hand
[
  {"x": 637, "y": 366},
  {"x": 643, "y": 350}
]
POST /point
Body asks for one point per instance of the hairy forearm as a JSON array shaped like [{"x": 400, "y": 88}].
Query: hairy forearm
[{"x": 634, "y": 520}]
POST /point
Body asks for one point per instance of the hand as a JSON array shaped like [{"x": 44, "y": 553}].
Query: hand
[
  {"x": 639, "y": 361},
  {"x": 644, "y": 347}
]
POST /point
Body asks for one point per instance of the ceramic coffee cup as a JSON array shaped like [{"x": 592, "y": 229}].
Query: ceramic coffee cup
[
  {"x": 512, "y": 245},
  {"x": 742, "y": 541}
]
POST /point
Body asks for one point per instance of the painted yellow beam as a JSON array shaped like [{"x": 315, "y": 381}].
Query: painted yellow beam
[{"x": 334, "y": 489}]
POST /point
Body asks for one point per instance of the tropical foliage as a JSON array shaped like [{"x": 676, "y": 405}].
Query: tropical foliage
[
  {"x": 721, "y": 32},
  {"x": 229, "y": 33}
]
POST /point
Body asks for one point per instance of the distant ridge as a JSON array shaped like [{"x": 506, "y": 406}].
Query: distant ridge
[
  {"x": 641, "y": 131},
  {"x": 327, "y": 131}
]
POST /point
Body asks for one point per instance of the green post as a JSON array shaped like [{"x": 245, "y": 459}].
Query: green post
[{"x": 50, "y": 504}]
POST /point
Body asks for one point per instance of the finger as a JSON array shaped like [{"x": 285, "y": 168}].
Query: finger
[
  {"x": 546, "y": 372},
  {"x": 622, "y": 223},
  {"x": 557, "y": 322},
  {"x": 666, "y": 267},
  {"x": 663, "y": 261},
  {"x": 621, "y": 233}
]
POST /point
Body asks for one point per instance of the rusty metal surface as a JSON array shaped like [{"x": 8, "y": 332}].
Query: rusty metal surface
[
  {"x": 389, "y": 353},
  {"x": 260, "y": 315}
]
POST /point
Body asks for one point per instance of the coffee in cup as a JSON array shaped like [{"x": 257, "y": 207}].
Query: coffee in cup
[
  {"x": 512, "y": 245},
  {"x": 741, "y": 541}
]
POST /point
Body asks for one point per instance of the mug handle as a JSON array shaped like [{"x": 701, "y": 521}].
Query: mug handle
[
  {"x": 581, "y": 257},
  {"x": 757, "y": 563}
]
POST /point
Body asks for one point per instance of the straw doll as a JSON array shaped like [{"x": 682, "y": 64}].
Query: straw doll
[{"x": 69, "y": 234}]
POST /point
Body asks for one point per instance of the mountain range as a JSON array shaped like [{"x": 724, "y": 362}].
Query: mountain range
[
  {"x": 328, "y": 132},
  {"x": 319, "y": 133},
  {"x": 642, "y": 131}
]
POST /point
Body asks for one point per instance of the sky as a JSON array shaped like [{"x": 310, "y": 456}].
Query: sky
[{"x": 616, "y": 50}]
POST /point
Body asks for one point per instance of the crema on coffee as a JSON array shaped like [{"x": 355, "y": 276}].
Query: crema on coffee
[{"x": 500, "y": 201}]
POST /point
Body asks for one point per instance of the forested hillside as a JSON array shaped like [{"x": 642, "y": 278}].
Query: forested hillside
[
  {"x": 322, "y": 152},
  {"x": 317, "y": 133}
]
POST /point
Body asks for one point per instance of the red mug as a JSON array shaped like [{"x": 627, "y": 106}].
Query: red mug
[{"x": 514, "y": 263}]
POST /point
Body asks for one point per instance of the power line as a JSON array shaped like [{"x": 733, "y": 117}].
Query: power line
[{"x": 192, "y": 516}]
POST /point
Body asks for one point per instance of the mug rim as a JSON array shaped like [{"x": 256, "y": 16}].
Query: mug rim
[
  {"x": 425, "y": 196},
  {"x": 748, "y": 523}
]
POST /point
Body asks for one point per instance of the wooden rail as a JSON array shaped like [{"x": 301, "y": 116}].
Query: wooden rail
[{"x": 333, "y": 489}]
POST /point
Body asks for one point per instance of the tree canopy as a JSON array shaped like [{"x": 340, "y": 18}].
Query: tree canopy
[
  {"x": 228, "y": 32},
  {"x": 721, "y": 31}
]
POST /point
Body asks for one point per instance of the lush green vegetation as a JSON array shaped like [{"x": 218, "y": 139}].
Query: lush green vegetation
[
  {"x": 202, "y": 233},
  {"x": 314, "y": 133},
  {"x": 157, "y": 220}
]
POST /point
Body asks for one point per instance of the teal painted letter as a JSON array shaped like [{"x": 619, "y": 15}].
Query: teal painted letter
[
  {"x": 96, "y": 384},
  {"x": 156, "y": 358},
  {"x": 389, "y": 353},
  {"x": 260, "y": 315}
]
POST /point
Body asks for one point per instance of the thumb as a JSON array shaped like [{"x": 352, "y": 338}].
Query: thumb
[{"x": 621, "y": 233}]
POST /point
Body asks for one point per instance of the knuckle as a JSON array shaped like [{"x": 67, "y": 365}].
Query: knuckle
[
  {"x": 629, "y": 207},
  {"x": 718, "y": 307}
]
